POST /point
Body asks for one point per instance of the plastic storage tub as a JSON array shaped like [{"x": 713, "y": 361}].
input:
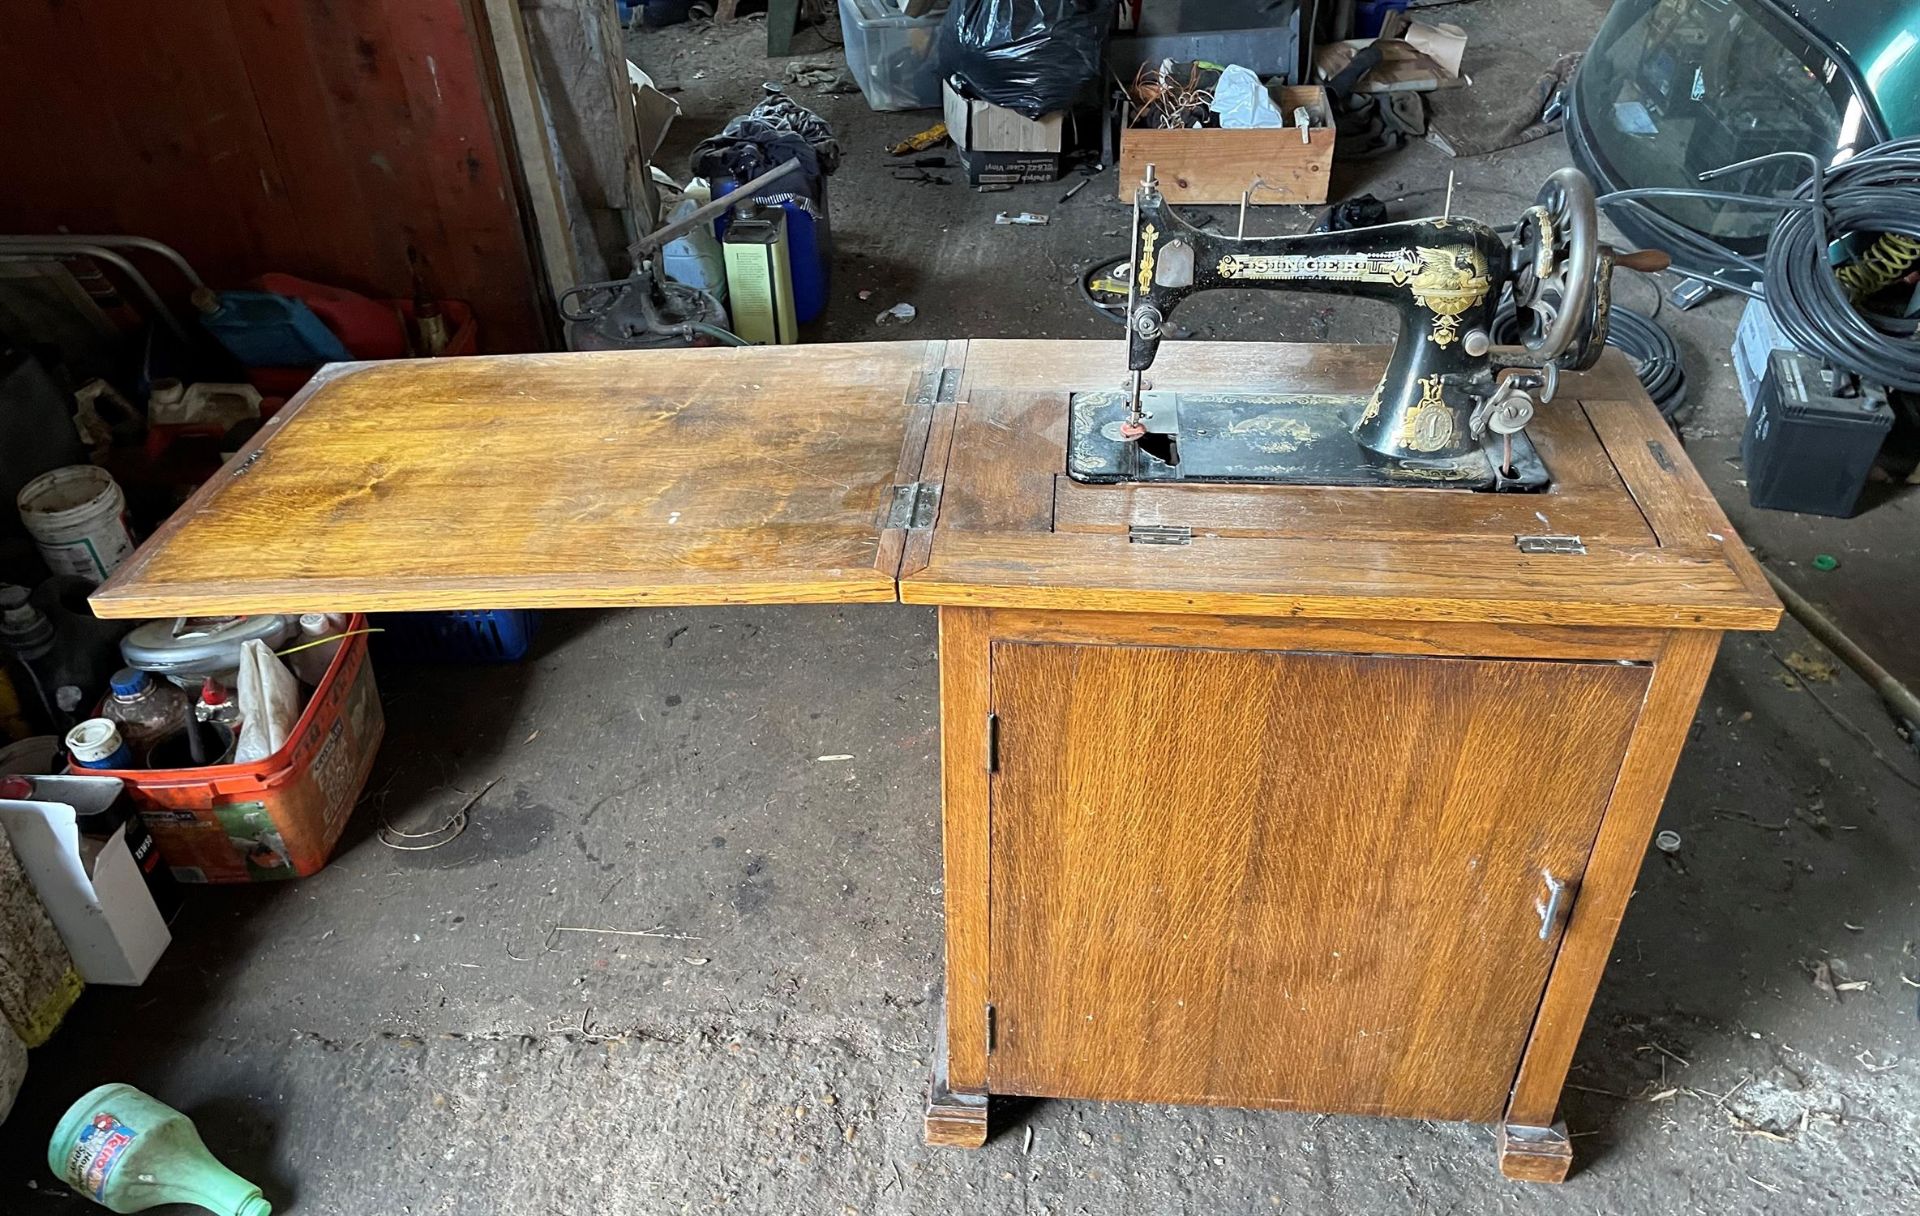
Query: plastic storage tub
[
  {"x": 279, "y": 817},
  {"x": 499, "y": 635},
  {"x": 1370, "y": 15},
  {"x": 893, "y": 56}
]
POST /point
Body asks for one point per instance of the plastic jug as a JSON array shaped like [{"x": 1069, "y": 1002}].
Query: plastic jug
[
  {"x": 367, "y": 327},
  {"x": 695, "y": 259},
  {"x": 147, "y": 710},
  {"x": 262, "y": 329},
  {"x": 130, "y": 1152},
  {"x": 809, "y": 237}
]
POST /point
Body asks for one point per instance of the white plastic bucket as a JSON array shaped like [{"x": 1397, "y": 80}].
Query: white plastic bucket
[{"x": 78, "y": 520}]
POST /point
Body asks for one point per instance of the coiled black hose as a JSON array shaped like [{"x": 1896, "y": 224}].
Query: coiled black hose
[{"x": 1876, "y": 191}]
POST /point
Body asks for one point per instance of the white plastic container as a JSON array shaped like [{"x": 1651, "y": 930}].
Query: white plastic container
[
  {"x": 695, "y": 259},
  {"x": 893, "y": 56},
  {"x": 96, "y": 743},
  {"x": 78, "y": 520},
  {"x": 312, "y": 654}
]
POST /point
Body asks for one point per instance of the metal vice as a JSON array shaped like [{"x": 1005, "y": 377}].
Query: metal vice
[{"x": 1449, "y": 409}]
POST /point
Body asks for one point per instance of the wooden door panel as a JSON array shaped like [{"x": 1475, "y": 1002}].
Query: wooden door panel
[{"x": 1285, "y": 879}]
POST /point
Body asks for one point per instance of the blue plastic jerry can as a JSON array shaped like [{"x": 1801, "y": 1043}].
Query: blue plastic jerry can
[
  {"x": 809, "y": 238},
  {"x": 262, "y": 329}
]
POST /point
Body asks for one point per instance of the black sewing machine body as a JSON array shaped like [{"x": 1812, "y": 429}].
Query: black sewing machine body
[{"x": 1440, "y": 415}]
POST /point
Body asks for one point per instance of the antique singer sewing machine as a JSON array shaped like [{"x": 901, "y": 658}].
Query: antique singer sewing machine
[
  {"x": 1288, "y": 758},
  {"x": 1448, "y": 410}
]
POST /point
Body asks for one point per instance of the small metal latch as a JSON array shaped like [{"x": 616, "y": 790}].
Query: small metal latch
[
  {"x": 1549, "y": 908},
  {"x": 989, "y": 1027},
  {"x": 1159, "y": 534},
  {"x": 914, "y": 505},
  {"x": 1549, "y": 544},
  {"x": 993, "y": 743}
]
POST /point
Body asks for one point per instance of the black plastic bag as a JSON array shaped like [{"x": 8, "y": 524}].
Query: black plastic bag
[{"x": 1032, "y": 56}]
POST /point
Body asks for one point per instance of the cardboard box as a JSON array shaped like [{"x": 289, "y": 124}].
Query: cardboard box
[
  {"x": 1215, "y": 164},
  {"x": 998, "y": 146},
  {"x": 93, "y": 890},
  {"x": 1418, "y": 56}
]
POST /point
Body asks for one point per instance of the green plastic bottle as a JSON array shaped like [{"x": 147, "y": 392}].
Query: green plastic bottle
[{"x": 130, "y": 1152}]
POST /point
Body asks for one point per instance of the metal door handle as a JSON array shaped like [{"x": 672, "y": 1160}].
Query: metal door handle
[{"x": 1549, "y": 908}]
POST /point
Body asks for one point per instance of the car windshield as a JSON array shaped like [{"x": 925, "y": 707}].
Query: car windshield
[{"x": 1673, "y": 88}]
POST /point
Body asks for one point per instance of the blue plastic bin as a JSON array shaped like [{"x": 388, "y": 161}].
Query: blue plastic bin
[
  {"x": 499, "y": 635},
  {"x": 1370, "y": 15}
]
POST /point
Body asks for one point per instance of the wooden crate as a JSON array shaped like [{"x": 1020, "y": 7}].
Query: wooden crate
[{"x": 1214, "y": 165}]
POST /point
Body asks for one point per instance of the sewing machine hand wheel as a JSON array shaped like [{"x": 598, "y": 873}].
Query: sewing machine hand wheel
[{"x": 1560, "y": 274}]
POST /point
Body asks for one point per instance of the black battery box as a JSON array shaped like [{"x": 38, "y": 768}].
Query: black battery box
[{"x": 1812, "y": 437}]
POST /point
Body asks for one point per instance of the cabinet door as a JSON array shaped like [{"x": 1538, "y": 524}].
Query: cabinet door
[{"x": 1286, "y": 879}]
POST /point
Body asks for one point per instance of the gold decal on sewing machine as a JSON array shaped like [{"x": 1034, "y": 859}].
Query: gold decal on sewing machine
[
  {"x": 1453, "y": 280},
  {"x": 1428, "y": 425},
  {"x": 1374, "y": 402},
  {"x": 1447, "y": 281},
  {"x": 1148, "y": 236}
]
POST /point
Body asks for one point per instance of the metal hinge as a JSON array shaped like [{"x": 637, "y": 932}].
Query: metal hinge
[
  {"x": 993, "y": 743},
  {"x": 1549, "y": 544},
  {"x": 1159, "y": 534},
  {"x": 941, "y": 387},
  {"x": 914, "y": 505},
  {"x": 989, "y": 1027}
]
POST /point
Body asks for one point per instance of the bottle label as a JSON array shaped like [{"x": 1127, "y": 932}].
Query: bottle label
[{"x": 96, "y": 1151}]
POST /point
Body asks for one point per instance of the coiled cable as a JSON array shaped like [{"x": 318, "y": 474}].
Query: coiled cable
[{"x": 1877, "y": 191}]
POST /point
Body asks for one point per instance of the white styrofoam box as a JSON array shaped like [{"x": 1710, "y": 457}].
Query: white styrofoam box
[{"x": 1753, "y": 343}]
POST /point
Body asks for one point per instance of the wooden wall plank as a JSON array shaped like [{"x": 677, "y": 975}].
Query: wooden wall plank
[{"x": 253, "y": 135}]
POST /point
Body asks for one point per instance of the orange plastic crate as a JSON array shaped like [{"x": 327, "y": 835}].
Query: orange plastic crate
[{"x": 279, "y": 817}]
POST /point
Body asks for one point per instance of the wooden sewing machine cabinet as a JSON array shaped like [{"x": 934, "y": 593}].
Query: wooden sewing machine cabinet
[{"x": 1307, "y": 798}]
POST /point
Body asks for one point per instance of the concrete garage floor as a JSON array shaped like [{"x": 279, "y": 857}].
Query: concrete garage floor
[{"x": 411, "y": 1033}]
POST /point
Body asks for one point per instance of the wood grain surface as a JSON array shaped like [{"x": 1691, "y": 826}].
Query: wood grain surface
[
  {"x": 1680, "y": 675},
  {"x": 1293, "y": 880},
  {"x": 1215, "y": 165},
  {"x": 716, "y": 476},
  {"x": 965, "y": 701},
  {"x": 1442, "y": 639},
  {"x": 1013, "y": 533},
  {"x": 699, "y": 476}
]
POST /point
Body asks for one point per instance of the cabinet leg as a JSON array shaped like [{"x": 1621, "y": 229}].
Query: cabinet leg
[
  {"x": 1535, "y": 1154},
  {"x": 954, "y": 1120}
]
